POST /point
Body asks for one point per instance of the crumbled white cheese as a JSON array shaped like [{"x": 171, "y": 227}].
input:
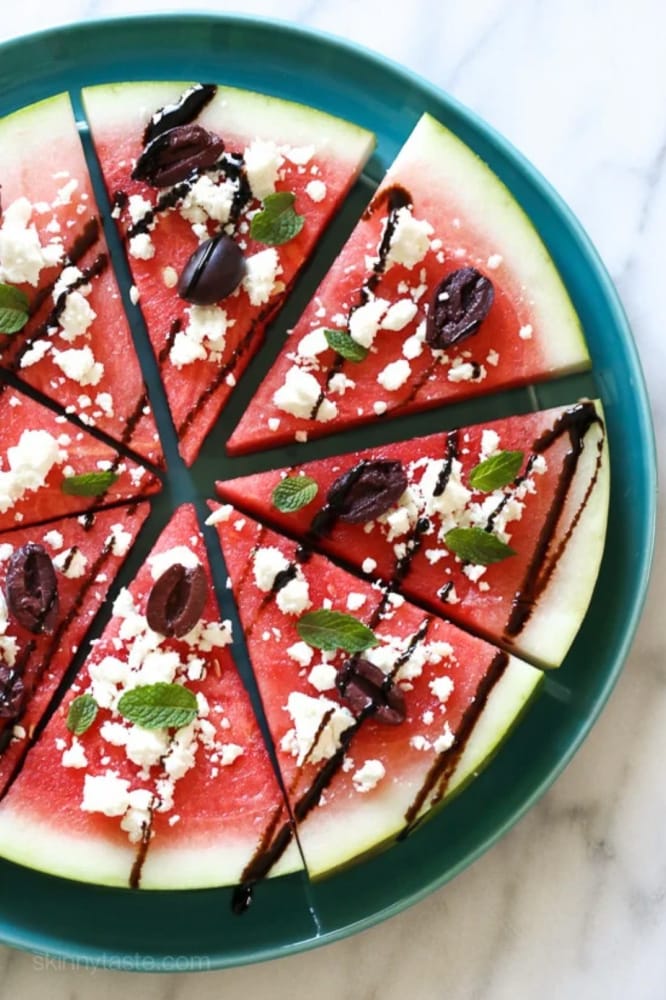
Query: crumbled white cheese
[
  {"x": 220, "y": 515},
  {"x": 267, "y": 563},
  {"x": 301, "y": 652},
  {"x": 35, "y": 353},
  {"x": 355, "y": 601},
  {"x": 146, "y": 747},
  {"x": 30, "y": 462},
  {"x": 229, "y": 752},
  {"x": 162, "y": 561},
  {"x": 339, "y": 383},
  {"x": 369, "y": 565},
  {"x": 316, "y": 190},
  {"x": 54, "y": 539},
  {"x": 71, "y": 562},
  {"x": 441, "y": 687},
  {"x": 141, "y": 247},
  {"x": 299, "y": 394},
  {"x": 525, "y": 332},
  {"x": 119, "y": 540},
  {"x": 394, "y": 375},
  {"x": 294, "y": 597},
  {"x": 22, "y": 256},
  {"x": 312, "y": 344},
  {"x": 203, "y": 338},
  {"x": 262, "y": 162},
  {"x": 79, "y": 364},
  {"x": 75, "y": 756},
  {"x": 364, "y": 322},
  {"x": 399, "y": 315},
  {"x": 368, "y": 776},
  {"x": 410, "y": 240},
  {"x": 315, "y": 718},
  {"x": 322, "y": 676},
  {"x": 208, "y": 199},
  {"x": 445, "y": 741},
  {"x": 494, "y": 261},
  {"x": 260, "y": 276},
  {"x": 105, "y": 793},
  {"x": 464, "y": 372}
]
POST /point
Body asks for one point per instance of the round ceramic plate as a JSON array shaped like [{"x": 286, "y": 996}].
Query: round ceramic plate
[{"x": 193, "y": 930}]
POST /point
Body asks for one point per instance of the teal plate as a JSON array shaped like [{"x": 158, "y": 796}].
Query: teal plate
[{"x": 196, "y": 930}]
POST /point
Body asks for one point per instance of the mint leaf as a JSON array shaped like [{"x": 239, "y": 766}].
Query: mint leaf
[
  {"x": 14, "y": 308},
  {"x": 157, "y": 706},
  {"x": 88, "y": 484},
  {"x": 497, "y": 471},
  {"x": 293, "y": 493},
  {"x": 81, "y": 715},
  {"x": 345, "y": 345},
  {"x": 331, "y": 630},
  {"x": 474, "y": 545},
  {"x": 277, "y": 222}
]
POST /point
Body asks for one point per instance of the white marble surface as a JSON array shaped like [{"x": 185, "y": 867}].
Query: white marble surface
[{"x": 572, "y": 903}]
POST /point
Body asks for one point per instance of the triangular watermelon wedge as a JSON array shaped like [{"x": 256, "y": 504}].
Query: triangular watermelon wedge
[
  {"x": 182, "y": 806},
  {"x": 85, "y": 557},
  {"x": 387, "y": 511},
  {"x": 444, "y": 291},
  {"x": 76, "y": 347},
  {"x": 423, "y": 708},
  {"x": 270, "y": 146},
  {"x": 50, "y": 467}
]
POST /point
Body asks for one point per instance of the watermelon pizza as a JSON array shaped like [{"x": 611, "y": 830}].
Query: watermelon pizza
[
  {"x": 153, "y": 772},
  {"x": 499, "y": 526},
  {"x": 221, "y": 196},
  {"x": 54, "y": 579},
  {"x": 443, "y": 291},
  {"x": 378, "y": 710},
  {"x": 63, "y": 329},
  {"x": 50, "y": 467}
]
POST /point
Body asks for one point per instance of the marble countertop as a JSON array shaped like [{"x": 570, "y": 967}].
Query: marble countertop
[{"x": 572, "y": 902}]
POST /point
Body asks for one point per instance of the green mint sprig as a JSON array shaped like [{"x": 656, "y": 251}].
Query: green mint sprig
[{"x": 277, "y": 222}]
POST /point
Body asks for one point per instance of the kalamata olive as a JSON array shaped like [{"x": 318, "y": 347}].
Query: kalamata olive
[
  {"x": 31, "y": 586},
  {"x": 175, "y": 154},
  {"x": 176, "y": 602},
  {"x": 460, "y": 304},
  {"x": 367, "y": 689},
  {"x": 213, "y": 271},
  {"x": 12, "y": 692},
  {"x": 367, "y": 490}
]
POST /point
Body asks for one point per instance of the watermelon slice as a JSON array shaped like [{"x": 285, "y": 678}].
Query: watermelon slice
[
  {"x": 203, "y": 343},
  {"x": 422, "y": 709},
  {"x": 76, "y": 346},
  {"x": 182, "y": 806},
  {"x": 49, "y": 467},
  {"x": 544, "y": 494},
  {"x": 36, "y": 653},
  {"x": 443, "y": 291}
]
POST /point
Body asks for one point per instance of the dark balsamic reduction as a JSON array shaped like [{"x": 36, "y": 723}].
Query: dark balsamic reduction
[
  {"x": 395, "y": 197},
  {"x": 182, "y": 112},
  {"x": 574, "y": 422},
  {"x": 142, "y": 850},
  {"x": 438, "y": 776}
]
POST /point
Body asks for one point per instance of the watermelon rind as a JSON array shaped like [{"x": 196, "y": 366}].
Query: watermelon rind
[
  {"x": 129, "y": 105},
  {"x": 328, "y": 846},
  {"x": 560, "y": 611},
  {"x": 491, "y": 211}
]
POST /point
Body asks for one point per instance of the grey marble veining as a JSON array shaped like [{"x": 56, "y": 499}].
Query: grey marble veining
[{"x": 572, "y": 902}]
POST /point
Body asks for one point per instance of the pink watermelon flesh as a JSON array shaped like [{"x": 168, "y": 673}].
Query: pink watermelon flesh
[
  {"x": 458, "y": 216},
  {"x": 76, "y": 347},
  {"x": 538, "y": 513},
  {"x": 86, "y": 557},
  {"x": 358, "y": 795},
  {"x": 40, "y": 450},
  {"x": 204, "y": 802},
  {"x": 198, "y": 387}
]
